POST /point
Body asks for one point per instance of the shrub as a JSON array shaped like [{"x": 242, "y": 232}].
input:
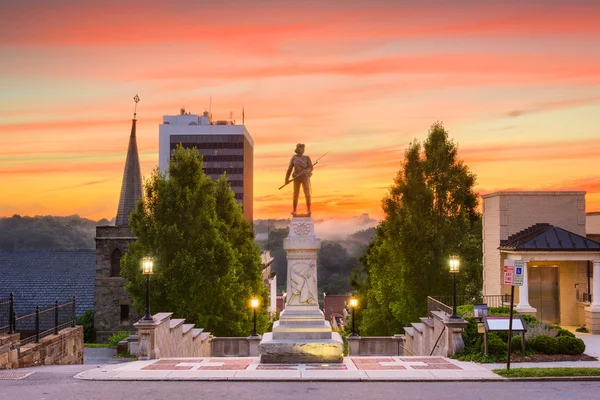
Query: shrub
[
  {"x": 545, "y": 344},
  {"x": 470, "y": 336},
  {"x": 87, "y": 320},
  {"x": 581, "y": 329},
  {"x": 530, "y": 320},
  {"x": 570, "y": 345},
  {"x": 465, "y": 310},
  {"x": 500, "y": 311},
  {"x": 565, "y": 333},
  {"x": 115, "y": 338},
  {"x": 516, "y": 344},
  {"x": 495, "y": 345}
]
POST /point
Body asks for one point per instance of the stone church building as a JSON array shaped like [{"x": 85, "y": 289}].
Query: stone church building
[{"x": 112, "y": 305}]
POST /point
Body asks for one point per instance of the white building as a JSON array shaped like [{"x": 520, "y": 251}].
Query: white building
[{"x": 225, "y": 147}]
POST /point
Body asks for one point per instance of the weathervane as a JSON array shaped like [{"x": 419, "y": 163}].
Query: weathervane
[{"x": 136, "y": 98}]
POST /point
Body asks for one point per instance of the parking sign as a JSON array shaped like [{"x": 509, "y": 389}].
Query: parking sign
[
  {"x": 518, "y": 277},
  {"x": 509, "y": 272}
]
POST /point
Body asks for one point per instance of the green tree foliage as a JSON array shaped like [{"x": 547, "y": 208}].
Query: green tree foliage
[
  {"x": 431, "y": 213},
  {"x": 334, "y": 268},
  {"x": 279, "y": 265},
  {"x": 207, "y": 266},
  {"x": 48, "y": 233}
]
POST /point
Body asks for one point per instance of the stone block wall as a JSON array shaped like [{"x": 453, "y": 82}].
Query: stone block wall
[
  {"x": 109, "y": 291},
  {"x": 62, "y": 349},
  {"x": 235, "y": 346},
  {"x": 9, "y": 351},
  {"x": 506, "y": 213},
  {"x": 376, "y": 345}
]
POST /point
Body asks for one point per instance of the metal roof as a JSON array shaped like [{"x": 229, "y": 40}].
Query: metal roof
[
  {"x": 545, "y": 237},
  {"x": 41, "y": 277}
]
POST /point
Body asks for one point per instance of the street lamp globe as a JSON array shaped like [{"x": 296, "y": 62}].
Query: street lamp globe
[
  {"x": 147, "y": 265},
  {"x": 454, "y": 264}
]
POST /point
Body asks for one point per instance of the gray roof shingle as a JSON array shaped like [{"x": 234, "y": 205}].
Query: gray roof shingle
[
  {"x": 546, "y": 237},
  {"x": 41, "y": 277}
]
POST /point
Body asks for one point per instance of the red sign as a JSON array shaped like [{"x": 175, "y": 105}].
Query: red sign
[{"x": 509, "y": 272}]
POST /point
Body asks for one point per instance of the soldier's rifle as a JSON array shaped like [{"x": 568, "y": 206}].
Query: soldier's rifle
[{"x": 306, "y": 171}]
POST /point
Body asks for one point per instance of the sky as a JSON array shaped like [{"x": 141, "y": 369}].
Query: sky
[{"x": 516, "y": 84}]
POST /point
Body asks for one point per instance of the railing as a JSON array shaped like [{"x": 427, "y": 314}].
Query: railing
[
  {"x": 6, "y": 311},
  {"x": 444, "y": 303},
  {"x": 584, "y": 297},
  {"x": 40, "y": 323}
]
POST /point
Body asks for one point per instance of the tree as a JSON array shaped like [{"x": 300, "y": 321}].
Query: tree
[
  {"x": 431, "y": 213},
  {"x": 334, "y": 268},
  {"x": 207, "y": 266},
  {"x": 279, "y": 266}
]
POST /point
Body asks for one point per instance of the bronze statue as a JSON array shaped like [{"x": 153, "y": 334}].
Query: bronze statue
[{"x": 302, "y": 171}]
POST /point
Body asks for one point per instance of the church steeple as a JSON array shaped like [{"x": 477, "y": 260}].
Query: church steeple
[{"x": 131, "y": 188}]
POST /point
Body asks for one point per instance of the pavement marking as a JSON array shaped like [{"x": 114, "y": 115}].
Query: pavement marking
[{"x": 6, "y": 375}]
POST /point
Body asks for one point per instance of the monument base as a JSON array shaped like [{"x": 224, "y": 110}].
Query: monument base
[{"x": 296, "y": 351}]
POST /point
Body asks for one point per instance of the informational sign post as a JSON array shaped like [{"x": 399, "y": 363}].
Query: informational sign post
[
  {"x": 509, "y": 279},
  {"x": 518, "y": 276}
]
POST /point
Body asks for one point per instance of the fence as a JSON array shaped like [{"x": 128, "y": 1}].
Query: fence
[
  {"x": 38, "y": 324},
  {"x": 444, "y": 303},
  {"x": 6, "y": 310}
]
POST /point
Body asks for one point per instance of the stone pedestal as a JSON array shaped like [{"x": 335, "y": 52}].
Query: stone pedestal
[{"x": 301, "y": 335}]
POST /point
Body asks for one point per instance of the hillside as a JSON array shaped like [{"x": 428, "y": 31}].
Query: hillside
[{"x": 48, "y": 233}]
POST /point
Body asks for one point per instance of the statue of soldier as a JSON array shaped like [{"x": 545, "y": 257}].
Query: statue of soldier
[{"x": 302, "y": 171}]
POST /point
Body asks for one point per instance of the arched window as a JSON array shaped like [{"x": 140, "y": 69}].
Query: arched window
[{"x": 115, "y": 263}]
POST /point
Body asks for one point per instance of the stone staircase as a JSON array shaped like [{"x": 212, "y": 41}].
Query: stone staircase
[
  {"x": 166, "y": 337},
  {"x": 436, "y": 335}
]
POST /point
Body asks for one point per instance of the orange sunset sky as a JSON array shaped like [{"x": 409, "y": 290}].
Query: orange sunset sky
[{"x": 516, "y": 83}]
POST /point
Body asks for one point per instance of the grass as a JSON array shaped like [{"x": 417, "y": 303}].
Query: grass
[
  {"x": 98, "y": 345},
  {"x": 126, "y": 355},
  {"x": 547, "y": 372}
]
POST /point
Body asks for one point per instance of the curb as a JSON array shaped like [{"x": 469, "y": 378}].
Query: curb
[{"x": 555, "y": 379}]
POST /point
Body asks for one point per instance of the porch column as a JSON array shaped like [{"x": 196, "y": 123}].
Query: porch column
[
  {"x": 596, "y": 286},
  {"x": 524, "y": 306},
  {"x": 592, "y": 313}
]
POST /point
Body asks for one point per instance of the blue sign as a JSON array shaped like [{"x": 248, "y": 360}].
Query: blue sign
[{"x": 519, "y": 271}]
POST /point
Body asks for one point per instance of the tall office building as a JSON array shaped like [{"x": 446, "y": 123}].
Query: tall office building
[{"x": 226, "y": 147}]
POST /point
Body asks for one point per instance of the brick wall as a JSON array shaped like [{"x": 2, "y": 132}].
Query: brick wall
[{"x": 506, "y": 213}]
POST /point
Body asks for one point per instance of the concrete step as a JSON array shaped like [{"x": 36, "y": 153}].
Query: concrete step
[
  {"x": 174, "y": 323},
  {"x": 204, "y": 336},
  {"x": 187, "y": 328},
  {"x": 427, "y": 321},
  {"x": 418, "y": 326},
  {"x": 409, "y": 331},
  {"x": 197, "y": 331}
]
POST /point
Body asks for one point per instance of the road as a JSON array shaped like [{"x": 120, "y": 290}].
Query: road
[{"x": 57, "y": 383}]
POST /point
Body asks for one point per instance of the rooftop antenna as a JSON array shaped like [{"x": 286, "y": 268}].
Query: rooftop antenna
[
  {"x": 243, "y": 116},
  {"x": 136, "y": 98}
]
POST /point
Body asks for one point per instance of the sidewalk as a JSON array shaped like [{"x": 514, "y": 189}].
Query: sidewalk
[{"x": 250, "y": 369}]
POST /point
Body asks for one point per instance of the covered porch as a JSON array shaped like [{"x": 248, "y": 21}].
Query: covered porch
[{"x": 561, "y": 276}]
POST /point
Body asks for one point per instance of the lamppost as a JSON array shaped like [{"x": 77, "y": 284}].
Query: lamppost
[
  {"x": 254, "y": 305},
  {"x": 147, "y": 265},
  {"x": 454, "y": 268},
  {"x": 353, "y": 304}
]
